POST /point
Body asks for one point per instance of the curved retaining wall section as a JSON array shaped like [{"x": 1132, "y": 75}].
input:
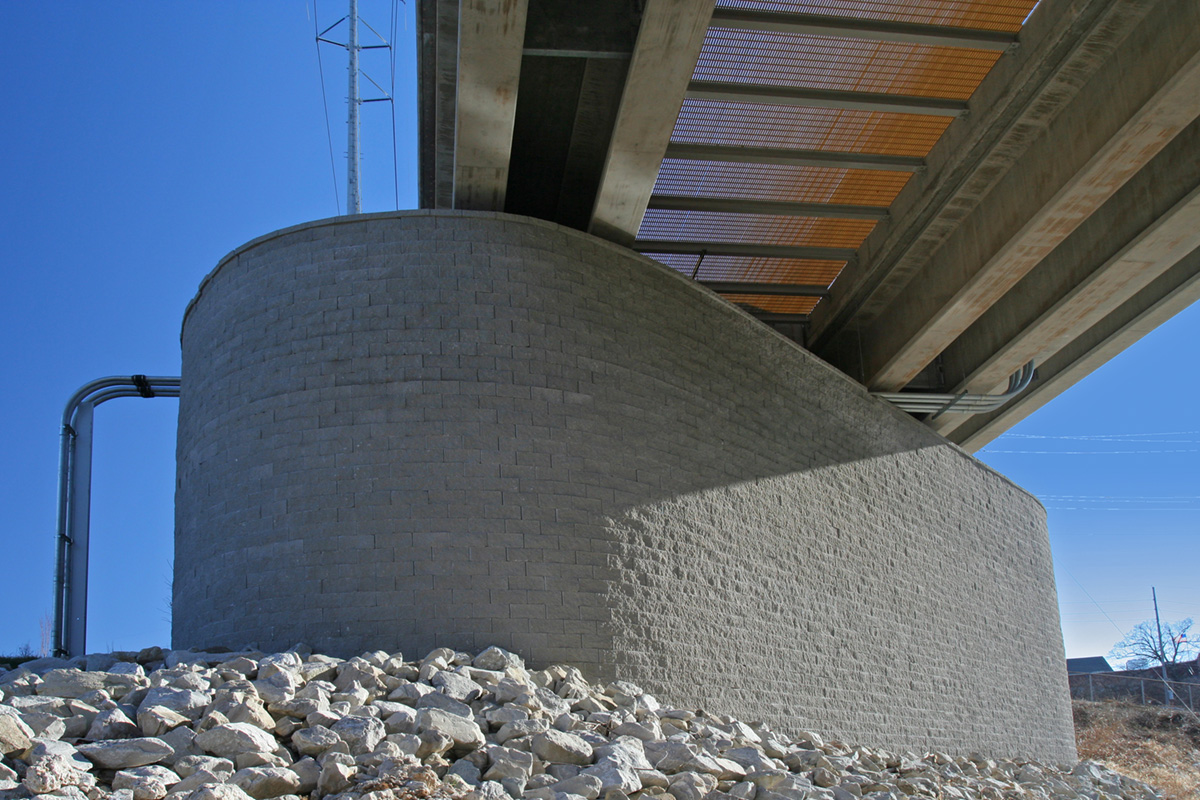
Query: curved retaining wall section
[{"x": 421, "y": 429}]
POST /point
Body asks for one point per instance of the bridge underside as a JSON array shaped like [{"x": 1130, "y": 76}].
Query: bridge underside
[{"x": 926, "y": 195}]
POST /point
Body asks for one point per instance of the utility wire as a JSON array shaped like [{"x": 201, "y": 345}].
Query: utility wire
[{"x": 325, "y": 105}]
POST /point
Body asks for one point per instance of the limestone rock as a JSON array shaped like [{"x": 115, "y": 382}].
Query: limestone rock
[
  {"x": 157, "y": 720},
  {"x": 361, "y": 734},
  {"x": 495, "y": 658},
  {"x": 562, "y": 748},
  {"x": 464, "y": 733},
  {"x": 315, "y": 740},
  {"x": 125, "y": 753},
  {"x": 15, "y": 735},
  {"x": 188, "y": 765},
  {"x": 53, "y": 773},
  {"x": 187, "y": 702},
  {"x": 265, "y": 782},
  {"x": 113, "y": 724},
  {"x": 233, "y": 738},
  {"x": 146, "y": 783},
  {"x": 219, "y": 791}
]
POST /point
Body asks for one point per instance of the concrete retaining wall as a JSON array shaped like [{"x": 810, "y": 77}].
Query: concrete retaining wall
[{"x": 411, "y": 430}]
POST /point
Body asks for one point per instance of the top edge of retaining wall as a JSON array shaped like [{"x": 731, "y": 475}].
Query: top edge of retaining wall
[{"x": 702, "y": 293}]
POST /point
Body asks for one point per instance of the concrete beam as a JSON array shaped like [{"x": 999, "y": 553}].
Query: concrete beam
[
  {"x": 854, "y": 28},
  {"x": 491, "y": 35},
  {"x": 1165, "y": 297},
  {"x": 664, "y": 57},
  {"x": 1148, "y": 227},
  {"x": 437, "y": 72},
  {"x": 1063, "y": 43},
  {"x": 739, "y": 205},
  {"x": 1139, "y": 99},
  {"x": 729, "y": 92},
  {"x": 793, "y": 158}
]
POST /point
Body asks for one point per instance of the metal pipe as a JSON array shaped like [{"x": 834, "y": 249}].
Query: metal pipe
[
  {"x": 964, "y": 403},
  {"x": 71, "y": 529}
]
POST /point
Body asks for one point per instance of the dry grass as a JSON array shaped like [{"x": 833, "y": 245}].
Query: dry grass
[{"x": 1152, "y": 744}]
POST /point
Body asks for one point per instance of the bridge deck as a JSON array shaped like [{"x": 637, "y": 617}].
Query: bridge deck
[{"x": 927, "y": 194}]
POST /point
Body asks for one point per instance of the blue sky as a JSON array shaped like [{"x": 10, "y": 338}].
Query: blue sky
[{"x": 146, "y": 140}]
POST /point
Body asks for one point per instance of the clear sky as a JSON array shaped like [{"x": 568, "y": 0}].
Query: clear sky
[{"x": 144, "y": 140}]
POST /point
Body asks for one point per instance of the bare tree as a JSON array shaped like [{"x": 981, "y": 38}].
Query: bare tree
[{"x": 1168, "y": 644}]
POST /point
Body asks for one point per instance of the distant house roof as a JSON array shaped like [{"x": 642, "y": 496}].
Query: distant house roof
[{"x": 1089, "y": 664}]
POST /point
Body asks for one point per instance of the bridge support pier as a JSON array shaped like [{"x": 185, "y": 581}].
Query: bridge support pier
[{"x": 408, "y": 430}]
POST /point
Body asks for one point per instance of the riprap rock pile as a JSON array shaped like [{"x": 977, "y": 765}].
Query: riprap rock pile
[{"x": 451, "y": 726}]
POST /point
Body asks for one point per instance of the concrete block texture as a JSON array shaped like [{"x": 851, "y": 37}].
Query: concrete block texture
[{"x": 419, "y": 429}]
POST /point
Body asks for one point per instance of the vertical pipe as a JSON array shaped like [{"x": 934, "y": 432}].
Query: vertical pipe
[
  {"x": 75, "y": 638},
  {"x": 63, "y": 540},
  {"x": 353, "y": 195},
  {"x": 1091, "y": 689}
]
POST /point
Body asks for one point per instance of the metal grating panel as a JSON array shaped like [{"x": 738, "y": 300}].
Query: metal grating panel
[
  {"x": 766, "y": 182},
  {"x": 774, "y": 304},
  {"x": 994, "y": 15},
  {"x": 753, "y": 229},
  {"x": 822, "y": 62},
  {"x": 712, "y": 122},
  {"x": 755, "y": 270}
]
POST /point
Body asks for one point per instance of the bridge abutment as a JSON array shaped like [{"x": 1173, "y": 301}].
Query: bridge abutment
[{"x": 418, "y": 429}]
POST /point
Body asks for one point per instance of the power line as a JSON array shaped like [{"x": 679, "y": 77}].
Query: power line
[{"x": 325, "y": 105}]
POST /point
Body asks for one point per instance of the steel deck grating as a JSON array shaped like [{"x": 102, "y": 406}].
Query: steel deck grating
[
  {"x": 994, "y": 15},
  {"x": 821, "y": 62},
  {"x": 765, "y": 182},
  {"x": 706, "y": 226},
  {"x": 755, "y": 125},
  {"x": 809, "y": 272},
  {"x": 774, "y": 304},
  {"x": 848, "y": 64}
]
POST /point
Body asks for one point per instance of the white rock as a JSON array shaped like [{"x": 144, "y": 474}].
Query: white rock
[
  {"x": 309, "y": 772},
  {"x": 15, "y": 735},
  {"x": 125, "y": 753},
  {"x": 464, "y": 733},
  {"x": 691, "y": 785},
  {"x": 508, "y": 763},
  {"x": 146, "y": 783},
  {"x": 584, "y": 785},
  {"x": 50, "y": 748},
  {"x": 336, "y": 776},
  {"x": 265, "y": 782},
  {"x": 315, "y": 740},
  {"x": 361, "y": 734},
  {"x": 219, "y": 791},
  {"x": 188, "y": 765},
  {"x": 157, "y": 720},
  {"x": 459, "y": 687},
  {"x": 521, "y": 727},
  {"x": 562, "y": 748},
  {"x": 70, "y": 682},
  {"x": 53, "y": 773},
  {"x": 232, "y": 738},
  {"x": 187, "y": 702},
  {"x": 494, "y": 658},
  {"x": 113, "y": 724}
]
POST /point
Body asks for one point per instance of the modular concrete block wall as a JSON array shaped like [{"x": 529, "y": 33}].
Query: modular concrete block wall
[{"x": 419, "y": 429}]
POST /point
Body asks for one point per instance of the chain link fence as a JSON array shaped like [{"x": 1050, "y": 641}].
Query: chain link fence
[{"x": 1147, "y": 687}]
